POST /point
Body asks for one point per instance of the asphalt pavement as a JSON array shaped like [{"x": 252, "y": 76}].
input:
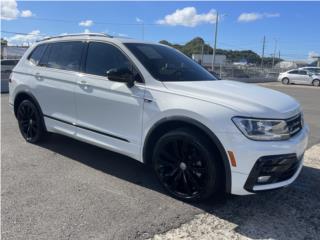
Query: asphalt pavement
[{"x": 65, "y": 189}]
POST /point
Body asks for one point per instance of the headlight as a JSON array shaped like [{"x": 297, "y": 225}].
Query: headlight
[{"x": 262, "y": 129}]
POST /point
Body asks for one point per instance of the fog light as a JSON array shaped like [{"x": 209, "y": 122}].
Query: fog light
[{"x": 263, "y": 179}]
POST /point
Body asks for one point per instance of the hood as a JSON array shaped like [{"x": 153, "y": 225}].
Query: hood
[{"x": 247, "y": 99}]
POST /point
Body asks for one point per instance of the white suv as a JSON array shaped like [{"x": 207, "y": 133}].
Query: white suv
[{"x": 152, "y": 103}]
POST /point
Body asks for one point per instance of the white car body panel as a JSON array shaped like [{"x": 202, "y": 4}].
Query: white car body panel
[{"x": 130, "y": 114}]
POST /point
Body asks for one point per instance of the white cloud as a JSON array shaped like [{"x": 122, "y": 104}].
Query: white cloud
[
  {"x": 86, "y": 23},
  {"x": 10, "y": 11},
  {"x": 122, "y": 35},
  {"x": 313, "y": 54},
  {"x": 86, "y": 30},
  {"x": 26, "y": 13},
  {"x": 251, "y": 17},
  {"x": 23, "y": 39},
  {"x": 188, "y": 17},
  {"x": 271, "y": 15},
  {"x": 139, "y": 20}
]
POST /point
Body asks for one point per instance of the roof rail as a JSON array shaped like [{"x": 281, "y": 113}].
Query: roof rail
[{"x": 77, "y": 34}]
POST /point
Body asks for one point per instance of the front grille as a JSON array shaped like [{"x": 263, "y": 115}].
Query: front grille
[
  {"x": 295, "y": 124},
  {"x": 278, "y": 168}
]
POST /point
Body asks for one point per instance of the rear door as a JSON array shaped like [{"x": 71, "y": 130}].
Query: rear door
[
  {"x": 304, "y": 77},
  {"x": 56, "y": 76}
]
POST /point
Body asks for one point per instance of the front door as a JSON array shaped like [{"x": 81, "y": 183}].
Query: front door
[{"x": 109, "y": 113}]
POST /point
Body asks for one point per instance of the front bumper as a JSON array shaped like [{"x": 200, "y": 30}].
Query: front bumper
[
  {"x": 249, "y": 153},
  {"x": 271, "y": 170}
]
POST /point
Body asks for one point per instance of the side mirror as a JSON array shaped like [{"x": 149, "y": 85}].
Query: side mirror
[{"x": 123, "y": 75}]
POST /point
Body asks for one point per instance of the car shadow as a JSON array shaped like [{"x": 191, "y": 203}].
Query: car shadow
[{"x": 265, "y": 215}]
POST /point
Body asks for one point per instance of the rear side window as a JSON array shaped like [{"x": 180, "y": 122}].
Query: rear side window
[
  {"x": 294, "y": 72},
  {"x": 37, "y": 53},
  {"x": 63, "y": 55},
  {"x": 102, "y": 57},
  {"x": 303, "y": 72}
]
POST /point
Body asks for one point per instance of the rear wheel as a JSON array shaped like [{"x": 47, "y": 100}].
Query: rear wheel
[
  {"x": 186, "y": 166},
  {"x": 316, "y": 83},
  {"x": 30, "y": 122},
  {"x": 285, "y": 81}
]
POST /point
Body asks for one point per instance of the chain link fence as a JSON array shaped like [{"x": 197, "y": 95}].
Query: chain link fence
[{"x": 246, "y": 73}]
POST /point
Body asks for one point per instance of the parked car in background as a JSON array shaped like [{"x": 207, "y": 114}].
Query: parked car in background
[
  {"x": 156, "y": 105},
  {"x": 315, "y": 70},
  {"x": 299, "y": 76},
  {"x": 6, "y": 68}
]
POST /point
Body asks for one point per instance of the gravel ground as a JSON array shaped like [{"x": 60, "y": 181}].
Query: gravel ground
[{"x": 292, "y": 213}]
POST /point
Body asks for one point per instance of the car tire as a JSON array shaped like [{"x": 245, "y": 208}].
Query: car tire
[
  {"x": 186, "y": 165},
  {"x": 285, "y": 81},
  {"x": 30, "y": 122},
  {"x": 316, "y": 82}
]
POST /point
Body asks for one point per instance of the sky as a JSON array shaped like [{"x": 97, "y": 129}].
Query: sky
[{"x": 289, "y": 27}]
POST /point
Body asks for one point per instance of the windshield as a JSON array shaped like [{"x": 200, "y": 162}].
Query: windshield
[{"x": 167, "y": 64}]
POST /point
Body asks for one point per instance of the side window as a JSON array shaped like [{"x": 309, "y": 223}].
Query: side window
[
  {"x": 37, "y": 53},
  {"x": 294, "y": 72},
  {"x": 102, "y": 57},
  {"x": 63, "y": 55},
  {"x": 302, "y": 72}
]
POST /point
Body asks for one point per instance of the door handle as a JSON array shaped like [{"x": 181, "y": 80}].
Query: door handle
[
  {"x": 38, "y": 76},
  {"x": 83, "y": 83}
]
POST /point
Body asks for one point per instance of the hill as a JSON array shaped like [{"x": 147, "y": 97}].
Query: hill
[{"x": 197, "y": 44}]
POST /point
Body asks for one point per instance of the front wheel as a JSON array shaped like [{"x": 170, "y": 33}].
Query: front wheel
[
  {"x": 316, "y": 83},
  {"x": 186, "y": 166},
  {"x": 30, "y": 122},
  {"x": 285, "y": 81}
]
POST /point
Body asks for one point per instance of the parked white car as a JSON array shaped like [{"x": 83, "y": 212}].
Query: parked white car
[
  {"x": 299, "y": 76},
  {"x": 6, "y": 67},
  {"x": 315, "y": 70},
  {"x": 152, "y": 103}
]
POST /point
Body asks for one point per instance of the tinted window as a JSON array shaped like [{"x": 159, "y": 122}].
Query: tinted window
[
  {"x": 302, "y": 72},
  {"x": 63, "y": 55},
  {"x": 37, "y": 53},
  {"x": 294, "y": 72},
  {"x": 167, "y": 64},
  {"x": 102, "y": 57}
]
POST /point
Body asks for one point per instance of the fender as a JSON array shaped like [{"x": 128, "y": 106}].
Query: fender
[
  {"x": 211, "y": 135},
  {"x": 28, "y": 95}
]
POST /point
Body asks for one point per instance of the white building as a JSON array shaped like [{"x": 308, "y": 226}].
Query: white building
[
  {"x": 206, "y": 59},
  {"x": 290, "y": 64},
  {"x": 12, "y": 52}
]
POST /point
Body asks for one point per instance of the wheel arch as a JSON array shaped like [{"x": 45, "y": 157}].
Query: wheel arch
[
  {"x": 316, "y": 79},
  {"x": 170, "y": 123},
  {"x": 23, "y": 95}
]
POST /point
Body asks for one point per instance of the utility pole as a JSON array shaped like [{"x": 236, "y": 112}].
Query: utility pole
[
  {"x": 263, "y": 46},
  {"x": 274, "y": 53},
  {"x": 202, "y": 48},
  {"x": 142, "y": 24},
  {"x": 215, "y": 42}
]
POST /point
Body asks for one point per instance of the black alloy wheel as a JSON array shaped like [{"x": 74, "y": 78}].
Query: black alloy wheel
[
  {"x": 185, "y": 165},
  {"x": 30, "y": 122}
]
